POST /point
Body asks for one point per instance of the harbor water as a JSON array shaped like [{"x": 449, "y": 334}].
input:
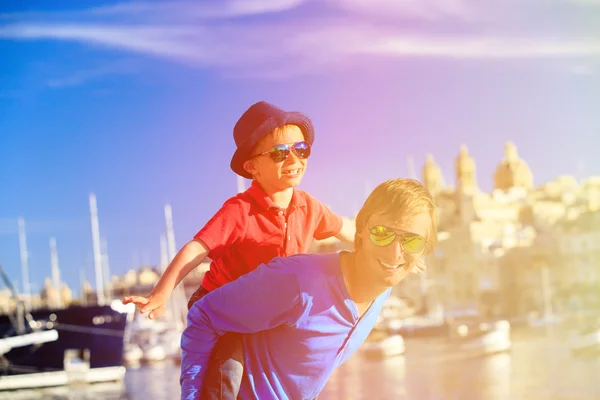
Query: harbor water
[{"x": 538, "y": 367}]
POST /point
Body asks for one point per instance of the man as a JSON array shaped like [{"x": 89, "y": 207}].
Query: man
[{"x": 304, "y": 315}]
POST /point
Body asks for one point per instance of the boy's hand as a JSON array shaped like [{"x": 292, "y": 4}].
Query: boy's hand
[
  {"x": 155, "y": 304},
  {"x": 419, "y": 266}
]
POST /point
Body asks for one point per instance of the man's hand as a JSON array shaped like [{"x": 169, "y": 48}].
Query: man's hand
[{"x": 155, "y": 304}]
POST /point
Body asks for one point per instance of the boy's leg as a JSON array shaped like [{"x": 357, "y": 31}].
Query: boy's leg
[
  {"x": 224, "y": 375},
  {"x": 198, "y": 294}
]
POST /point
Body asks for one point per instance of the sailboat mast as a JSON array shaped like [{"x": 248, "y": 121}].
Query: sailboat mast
[
  {"x": 170, "y": 234},
  {"x": 82, "y": 287},
  {"x": 164, "y": 256},
  {"x": 97, "y": 252},
  {"x": 178, "y": 295},
  {"x": 241, "y": 185},
  {"x": 24, "y": 263},
  {"x": 105, "y": 267},
  {"x": 55, "y": 270}
]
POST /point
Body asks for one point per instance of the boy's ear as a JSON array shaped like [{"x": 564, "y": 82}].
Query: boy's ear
[{"x": 249, "y": 167}]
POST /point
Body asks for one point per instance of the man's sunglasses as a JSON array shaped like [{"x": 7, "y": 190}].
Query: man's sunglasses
[
  {"x": 280, "y": 152},
  {"x": 383, "y": 236}
]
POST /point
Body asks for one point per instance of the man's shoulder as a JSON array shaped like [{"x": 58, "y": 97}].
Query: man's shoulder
[
  {"x": 315, "y": 260},
  {"x": 307, "y": 266}
]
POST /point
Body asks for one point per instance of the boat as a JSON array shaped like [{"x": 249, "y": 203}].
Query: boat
[
  {"x": 53, "y": 347},
  {"x": 381, "y": 345},
  {"x": 416, "y": 326},
  {"x": 586, "y": 342},
  {"x": 153, "y": 341},
  {"x": 132, "y": 355},
  {"x": 399, "y": 318},
  {"x": 536, "y": 321},
  {"x": 481, "y": 338}
]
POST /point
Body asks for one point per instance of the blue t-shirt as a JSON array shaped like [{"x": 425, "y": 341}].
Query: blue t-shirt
[{"x": 299, "y": 324}]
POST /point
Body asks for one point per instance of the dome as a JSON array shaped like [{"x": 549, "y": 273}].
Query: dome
[
  {"x": 512, "y": 171},
  {"x": 465, "y": 170},
  {"x": 433, "y": 179}
]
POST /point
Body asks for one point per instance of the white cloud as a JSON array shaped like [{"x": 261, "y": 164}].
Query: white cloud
[
  {"x": 82, "y": 76},
  {"x": 591, "y": 3},
  {"x": 289, "y": 45},
  {"x": 162, "y": 11},
  {"x": 321, "y": 42},
  {"x": 162, "y": 41},
  {"x": 484, "y": 47},
  {"x": 433, "y": 10},
  {"x": 583, "y": 69},
  {"x": 195, "y": 9}
]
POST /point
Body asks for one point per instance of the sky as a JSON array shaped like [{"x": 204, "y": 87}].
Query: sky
[{"x": 136, "y": 101}]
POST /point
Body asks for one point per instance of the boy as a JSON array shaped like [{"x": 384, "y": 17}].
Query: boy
[{"x": 270, "y": 219}]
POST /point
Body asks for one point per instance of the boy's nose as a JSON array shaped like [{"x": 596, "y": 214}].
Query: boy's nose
[{"x": 292, "y": 156}]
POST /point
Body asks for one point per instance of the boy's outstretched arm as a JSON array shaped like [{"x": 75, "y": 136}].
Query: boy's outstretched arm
[
  {"x": 189, "y": 257},
  {"x": 347, "y": 232},
  {"x": 263, "y": 299}
]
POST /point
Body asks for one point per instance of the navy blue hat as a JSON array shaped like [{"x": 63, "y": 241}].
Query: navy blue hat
[{"x": 257, "y": 122}]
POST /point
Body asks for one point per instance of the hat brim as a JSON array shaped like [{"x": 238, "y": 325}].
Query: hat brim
[{"x": 242, "y": 154}]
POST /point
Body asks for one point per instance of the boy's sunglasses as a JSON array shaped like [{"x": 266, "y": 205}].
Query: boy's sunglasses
[
  {"x": 383, "y": 236},
  {"x": 280, "y": 152}
]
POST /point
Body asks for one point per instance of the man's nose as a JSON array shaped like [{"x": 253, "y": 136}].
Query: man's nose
[{"x": 398, "y": 250}]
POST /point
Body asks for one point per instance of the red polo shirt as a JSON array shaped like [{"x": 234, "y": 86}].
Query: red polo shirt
[{"x": 250, "y": 230}]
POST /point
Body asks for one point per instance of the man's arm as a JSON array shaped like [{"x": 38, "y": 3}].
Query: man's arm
[{"x": 262, "y": 299}]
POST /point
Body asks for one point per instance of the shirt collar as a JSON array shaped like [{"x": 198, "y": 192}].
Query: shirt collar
[{"x": 258, "y": 194}]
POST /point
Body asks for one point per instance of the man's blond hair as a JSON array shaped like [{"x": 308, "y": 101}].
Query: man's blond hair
[{"x": 397, "y": 199}]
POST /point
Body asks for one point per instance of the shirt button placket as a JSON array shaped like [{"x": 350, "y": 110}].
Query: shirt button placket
[{"x": 283, "y": 222}]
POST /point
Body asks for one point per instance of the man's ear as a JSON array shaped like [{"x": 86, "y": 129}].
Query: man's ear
[{"x": 357, "y": 240}]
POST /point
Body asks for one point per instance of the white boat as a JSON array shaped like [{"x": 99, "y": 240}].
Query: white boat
[
  {"x": 52, "y": 346},
  {"x": 535, "y": 321},
  {"x": 170, "y": 339},
  {"x": 493, "y": 342},
  {"x": 76, "y": 365},
  {"x": 164, "y": 345},
  {"x": 381, "y": 345},
  {"x": 415, "y": 326},
  {"x": 154, "y": 353},
  {"x": 160, "y": 340},
  {"x": 586, "y": 342},
  {"x": 152, "y": 341},
  {"x": 132, "y": 354},
  {"x": 13, "y": 342},
  {"x": 62, "y": 378},
  {"x": 483, "y": 339}
]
